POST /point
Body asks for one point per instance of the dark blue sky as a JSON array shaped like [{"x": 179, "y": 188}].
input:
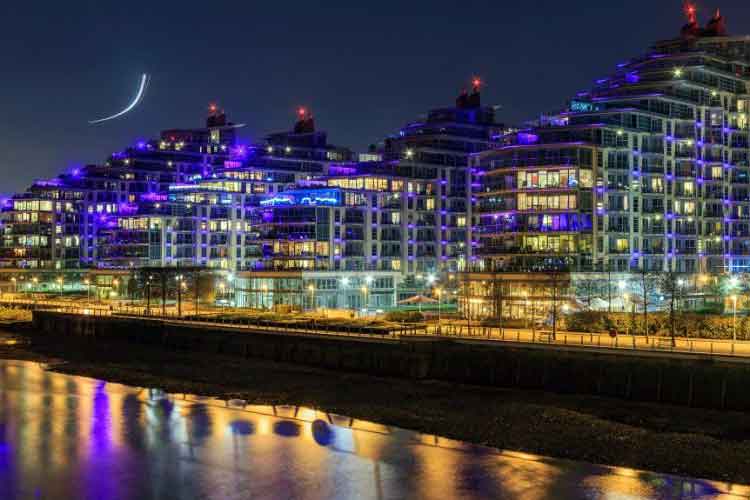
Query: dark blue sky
[{"x": 364, "y": 68}]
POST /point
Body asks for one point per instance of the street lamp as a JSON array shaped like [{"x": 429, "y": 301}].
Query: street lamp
[
  {"x": 264, "y": 288},
  {"x": 311, "y": 289},
  {"x": 180, "y": 287},
  {"x": 625, "y": 298},
  {"x": 622, "y": 285},
  {"x": 148, "y": 296},
  {"x": 60, "y": 281},
  {"x": 87, "y": 282},
  {"x": 232, "y": 290},
  {"x": 365, "y": 302},
  {"x": 222, "y": 286},
  {"x": 439, "y": 293},
  {"x": 35, "y": 280},
  {"x": 734, "y": 320},
  {"x": 15, "y": 284}
]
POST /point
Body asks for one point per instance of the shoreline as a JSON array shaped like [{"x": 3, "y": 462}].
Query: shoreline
[{"x": 693, "y": 442}]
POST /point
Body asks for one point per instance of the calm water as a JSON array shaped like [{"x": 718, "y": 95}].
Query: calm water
[{"x": 64, "y": 437}]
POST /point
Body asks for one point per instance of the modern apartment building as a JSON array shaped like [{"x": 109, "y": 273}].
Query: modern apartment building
[
  {"x": 436, "y": 150},
  {"x": 292, "y": 220},
  {"x": 647, "y": 170},
  {"x": 41, "y": 227}
]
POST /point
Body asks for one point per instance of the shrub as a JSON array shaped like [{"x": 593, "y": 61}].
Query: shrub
[
  {"x": 405, "y": 316},
  {"x": 691, "y": 324}
]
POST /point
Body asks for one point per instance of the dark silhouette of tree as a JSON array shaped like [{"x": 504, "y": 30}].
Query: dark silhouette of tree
[
  {"x": 648, "y": 285},
  {"x": 669, "y": 286}
]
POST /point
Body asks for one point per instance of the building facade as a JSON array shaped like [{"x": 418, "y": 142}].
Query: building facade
[{"x": 648, "y": 170}]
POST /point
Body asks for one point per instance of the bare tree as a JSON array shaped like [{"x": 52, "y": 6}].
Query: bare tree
[
  {"x": 556, "y": 289},
  {"x": 609, "y": 287},
  {"x": 588, "y": 290},
  {"x": 498, "y": 294},
  {"x": 648, "y": 286},
  {"x": 669, "y": 286}
]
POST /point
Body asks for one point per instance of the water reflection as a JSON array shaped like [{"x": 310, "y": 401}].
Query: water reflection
[{"x": 67, "y": 437}]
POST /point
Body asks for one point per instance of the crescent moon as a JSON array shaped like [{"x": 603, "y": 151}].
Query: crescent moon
[{"x": 138, "y": 97}]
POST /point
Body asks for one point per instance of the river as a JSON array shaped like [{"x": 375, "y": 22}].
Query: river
[{"x": 67, "y": 437}]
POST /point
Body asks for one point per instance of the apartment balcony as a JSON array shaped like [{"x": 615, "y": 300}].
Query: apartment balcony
[
  {"x": 645, "y": 190},
  {"x": 713, "y": 159},
  {"x": 29, "y": 229},
  {"x": 688, "y": 173},
  {"x": 685, "y": 155},
  {"x": 653, "y": 210},
  {"x": 652, "y": 151},
  {"x": 659, "y": 170},
  {"x": 519, "y": 250},
  {"x": 684, "y": 134}
]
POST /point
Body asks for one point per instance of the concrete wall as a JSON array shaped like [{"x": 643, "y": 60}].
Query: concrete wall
[{"x": 687, "y": 380}]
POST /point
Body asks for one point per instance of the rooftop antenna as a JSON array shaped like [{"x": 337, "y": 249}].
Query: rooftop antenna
[
  {"x": 691, "y": 12},
  {"x": 476, "y": 84}
]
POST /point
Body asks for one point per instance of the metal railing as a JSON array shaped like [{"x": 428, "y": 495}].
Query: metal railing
[
  {"x": 448, "y": 329},
  {"x": 713, "y": 347}
]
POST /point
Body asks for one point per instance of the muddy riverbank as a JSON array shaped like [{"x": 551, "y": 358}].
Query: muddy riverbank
[{"x": 686, "y": 441}]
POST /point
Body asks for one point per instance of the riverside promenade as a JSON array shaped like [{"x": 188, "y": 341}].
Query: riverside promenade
[{"x": 680, "y": 377}]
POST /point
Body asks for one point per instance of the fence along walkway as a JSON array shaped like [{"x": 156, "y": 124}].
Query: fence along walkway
[
  {"x": 598, "y": 340},
  {"x": 450, "y": 330}
]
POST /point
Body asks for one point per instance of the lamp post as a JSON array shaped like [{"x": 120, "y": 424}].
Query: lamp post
[
  {"x": 344, "y": 286},
  {"x": 222, "y": 287},
  {"x": 180, "y": 285},
  {"x": 232, "y": 290},
  {"x": 87, "y": 282},
  {"x": 365, "y": 302},
  {"x": 439, "y": 293},
  {"x": 61, "y": 282},
  {"x": 148, "y": 296},
  {"x": 311, "y": 289},
  {"x": 264, "y": 289},
  {"x": 734, "y": 320},
  {"x": 15, "y": 284},
  {"x": 35, "y": 280}
]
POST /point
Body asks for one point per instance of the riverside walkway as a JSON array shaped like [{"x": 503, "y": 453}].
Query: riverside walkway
[{"x": 459, "y": 330}]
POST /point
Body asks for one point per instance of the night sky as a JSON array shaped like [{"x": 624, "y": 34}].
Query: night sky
[{"x": 364, "y": 68}]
